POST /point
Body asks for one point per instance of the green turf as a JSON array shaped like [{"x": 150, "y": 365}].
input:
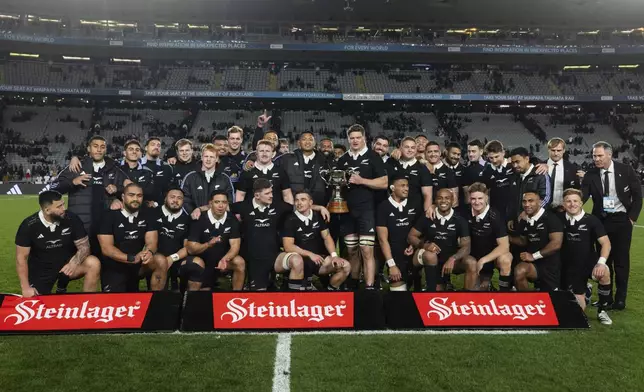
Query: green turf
[{"x": 602, "y": 358}]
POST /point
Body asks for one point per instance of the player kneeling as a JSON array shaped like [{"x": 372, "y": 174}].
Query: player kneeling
[
  {"x": 307, "y": 235},
  {"x": 579, "y": 257},
  {"x": 129, "y": 239},
  {"x": 174, "y": 225},
  {"x": 53, "y": 243},
  {"x": 446, "y": 245},
  {"x": 215, "y": 237},
  {"x": 490, "y": 243}
]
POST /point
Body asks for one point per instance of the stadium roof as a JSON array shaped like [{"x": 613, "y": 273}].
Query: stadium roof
[{"x": 524, "y": 13}]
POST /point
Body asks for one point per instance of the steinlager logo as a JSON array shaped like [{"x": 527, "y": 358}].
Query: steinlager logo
[
  {"x": 239, "y": 310},
  {"x": 440, "y": 307},
  {"x": 27, "y": 310}
]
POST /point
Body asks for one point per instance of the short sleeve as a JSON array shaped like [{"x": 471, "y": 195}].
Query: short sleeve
[
  {"x": 463, "y": 230},
  {"x": 236, "y": 208},
  {"x": 78, "y": 228},
  {"x": 285, "y": 183},
  {"x": 234, "y": 229},
  {"x": 426, "y": 177},
  {"x": 289, "y": 227},
  {"x": 378, "y": 166},
  {"x": 598, "y": 227},
  {"x": 22, "y": 236},
  {"x": 554, "y": 224},
  {"x": 323, "y": 224},
  {"x": 422, "y": 224},
  {"x": 245, "y": 183},
  {"x": 152, "y": 221},
  {"x": 106, "y": 224},
  {"x": 194, "y": 235},
  {"x": 381, "y": 216},
  {"x": 500, "y": 230}
]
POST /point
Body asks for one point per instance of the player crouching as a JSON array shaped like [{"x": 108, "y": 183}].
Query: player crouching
[{"x": 306, "y": 235}]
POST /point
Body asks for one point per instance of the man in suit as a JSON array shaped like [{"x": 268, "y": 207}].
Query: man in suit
[
  {"x": 617, "y": 201},
  {"x": 563, "y": 174}
]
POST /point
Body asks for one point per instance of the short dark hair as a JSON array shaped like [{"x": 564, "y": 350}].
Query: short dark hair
[
  {"x": 95, "y": 137},
  {"x": 535, "y": 192},
  {"x": 218, "y": 192},
  {"x": 397, "y": 176},
  {"x": 153, "y": 138},
  {"x": 382, "y": 137},
  {"x": 130, "y": 142},
  {"x": 494, "y": 147},
  {"x": 340, "y": 146},
  {"x": 260, "y": 184},
  {"x": 48, "y": 198},
  {"x": 220, "y": 137},
  {"x": 421, "y": 135},
  {"x": 356, "y": 128},
  {"x": 132, "y": 185},
  {"x": 453, "y": 145},
  {"x": 306, "y": 133},
  {"x": 476, "y": 143},
  {"x": 305, "y": 191},
  {"x": 520, "y": 151},
  {"x": 326, "y": 139},
  {"x": 433, "y": 143},
  {"x": 174, "y": 188}
]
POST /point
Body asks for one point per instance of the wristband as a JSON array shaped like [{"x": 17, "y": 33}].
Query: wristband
[
  {"x": 602, "y": 261},
  {"x": 174, "y": 257},
  {"x": 537, "y": 255},
  {"x": 131, "y": 258},
  {"x": 333, "y": 254},
  {"x": 391, "y": 263}
]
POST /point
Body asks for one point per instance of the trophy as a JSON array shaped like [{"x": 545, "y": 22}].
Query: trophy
[{"x": 337, "y": 179}]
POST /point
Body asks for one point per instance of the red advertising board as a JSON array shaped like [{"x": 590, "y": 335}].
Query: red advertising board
[
  {"x": 452, "y": 309},
  {"x": 74, "y": 312},
  {"x": 283, "y": 310}
]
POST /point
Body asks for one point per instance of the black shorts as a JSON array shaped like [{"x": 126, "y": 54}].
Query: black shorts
[
  {"x": 548, "y": 274},
  {"x": 259, "y": 273},
  {"x": 577, "y": 277},
  {"x": 120, "y": 278},
  {"x": 182, "y": 270},
  {"x": 43, "y": 280},
  {"x": 362, "y": 223},
  {"x": 488, "y": 269},
  {"x": 404, "y": 264},
  {"x": 310, "y": 268}
]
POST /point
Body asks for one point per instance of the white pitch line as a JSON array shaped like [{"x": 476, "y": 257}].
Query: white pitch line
[
  {"x": 282, "y": 372},
  {"x": 640, "y": 226},
  {"x": 341, "y": 332}
]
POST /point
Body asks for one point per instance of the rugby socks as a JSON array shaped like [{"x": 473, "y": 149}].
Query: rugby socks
[
  {"x": 431, "y": 277},
  {"x": 63, "y": 282},
  {"x": 331, "y": 288},
  {"x": 352, "y": 283},
  {"x": 296, "y": 284},
  {"x": 605, "y": 292},
  {"x": 505, "y": 283}
]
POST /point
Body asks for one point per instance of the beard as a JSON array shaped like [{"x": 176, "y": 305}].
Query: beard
[{"x": 173, "y": 210}]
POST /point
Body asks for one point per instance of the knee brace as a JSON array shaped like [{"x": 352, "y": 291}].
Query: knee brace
[
  {"x": 194, "y": 272},
  {"x": 398, "y": 288},
  {"x": 286, "y": 259},
  {"x": 419, "y": 256},
  {"x": 351, "y": 241},
  {"x": 368, "y": 240}
]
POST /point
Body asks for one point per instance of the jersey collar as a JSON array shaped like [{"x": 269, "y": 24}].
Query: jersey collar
[
  {"x": 49, "y": 225},
  {"x": 359, "y": 154},
  {"x": 482, "y": 215},
  {"x": 575, "y": 218},
  {"x": 256, "y": 206},
  {"x": 170, "y": 215},
  {"x": 305, "y": 218},
  {"x": 536, "y": 217},
  {"x": 215, "y": 221},
  {"x": 264, "y": 169},
  {"x": 130, "y": 216},
  {"x": 400, "y": 205},
  {"x": 406, "y": 164},
  {"x": 445, "y": 218}
]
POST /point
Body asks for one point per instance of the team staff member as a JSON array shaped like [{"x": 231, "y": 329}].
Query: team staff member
[
  {"x": 617, "y": 202},
  {"x": 199, "y": 184},
  {"x": 53, "y": 242},
  {"x": 216, "y": 238},
  {"x": 443, "y": 245},
  {"x": 306, "y": 234},
  {"x": 541, "y": 236},
  {"x": 174, "y": 225},
  {"x": 129, "y": 239},
  {"x": 562, "y": 174},
  {"x": 302, "y": 168},
  {"x": 489, "y": 237},
  {"x": 233, "y": 162},
  {"x": 394, "y": 219},
  {"x": 358, "y": 226},
  {"x": 265, "y": 168},
  {"x": 137, "y": 173},
  {"x": 163, "y": 175},
  {"x": 579, "y": 257}
]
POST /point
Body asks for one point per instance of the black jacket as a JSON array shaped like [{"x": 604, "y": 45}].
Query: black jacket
[
  {"x": 533, "y": 182},
  {"x": 293, "y": 164},
  {"x": 163, "y": 177},
  {"x": 197, "y": 190},
  {"x": 90, "y": 202},
  {"x": 627, "y": 185},
  {"x": 181, "y": 169},
  {"x": 144, "y": 177}
]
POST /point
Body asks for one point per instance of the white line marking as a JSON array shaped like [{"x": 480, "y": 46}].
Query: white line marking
[
  {"x": 640, "y": 226},
  {"x": 282, "y": 372},
  {"x": 343, "y": 332}
]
